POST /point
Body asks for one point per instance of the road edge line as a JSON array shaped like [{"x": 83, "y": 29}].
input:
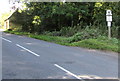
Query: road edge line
[
  {"x": 6, "y": 40},
  {"x": 68, "y": 72},
  {"x": 27, "y": 50}
]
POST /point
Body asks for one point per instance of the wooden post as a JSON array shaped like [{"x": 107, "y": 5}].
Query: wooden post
[{"x": 109, "y": 32}]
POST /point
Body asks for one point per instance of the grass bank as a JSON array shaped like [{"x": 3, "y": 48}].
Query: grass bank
[{"x": 101, "y": 43}]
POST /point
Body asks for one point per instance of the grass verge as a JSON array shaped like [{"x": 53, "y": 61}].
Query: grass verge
[{"x": 101, "y": 43}]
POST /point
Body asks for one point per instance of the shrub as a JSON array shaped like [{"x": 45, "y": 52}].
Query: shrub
[
  {"x": 69, "y": 31},
  {"x": 53, "y": 33},
  {"x": 85, "y": 34}
]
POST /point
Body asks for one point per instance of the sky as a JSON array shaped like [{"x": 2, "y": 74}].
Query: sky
[{"x": 4, "y": 6}]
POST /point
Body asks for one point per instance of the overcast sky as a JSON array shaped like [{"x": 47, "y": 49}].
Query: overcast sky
[{"x": 4, "y": 6}]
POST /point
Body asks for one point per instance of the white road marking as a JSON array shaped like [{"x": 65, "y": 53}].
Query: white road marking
[
  {"x": 6, "y": 39},
  {"x": 68, "y": 72},
  {"x": 27, "y": 50}
]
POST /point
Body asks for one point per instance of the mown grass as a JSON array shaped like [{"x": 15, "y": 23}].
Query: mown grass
[{"x": 101, "y": 43}]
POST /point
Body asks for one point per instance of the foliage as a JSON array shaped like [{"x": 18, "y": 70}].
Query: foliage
[
  {"x": 53, "y": 33},
  {"x": 69, "y": 31},
  {"x": 100, "y": 11},
  {"x": 53, "y": 16},
  {"x": 3, "y": 17},
  {"x": 64, "y": 31},
  {"x": 85, "y": 34},
  {"x": 65, "y": 19}
]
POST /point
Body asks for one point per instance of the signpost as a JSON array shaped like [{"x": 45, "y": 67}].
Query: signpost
[{"x": 109, "y": 20}]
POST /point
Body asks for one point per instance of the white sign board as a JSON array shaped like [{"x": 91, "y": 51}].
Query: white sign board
[
  {"x": 109, "y": 18},
  {"x": 109, "y": 15},
  {"x": 109, "y": 24}
]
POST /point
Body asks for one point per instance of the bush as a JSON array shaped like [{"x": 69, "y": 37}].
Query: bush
[
  {"x": 65, "y": 31},
  {"x": 115, "y": 31},
  {"x": 53, "y": 33},
  {"x": 85, "y": 34},
  {"x": 69, "y": 31}
]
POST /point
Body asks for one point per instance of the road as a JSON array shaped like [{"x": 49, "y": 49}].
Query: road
[{"x": 28, "y": 58}]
